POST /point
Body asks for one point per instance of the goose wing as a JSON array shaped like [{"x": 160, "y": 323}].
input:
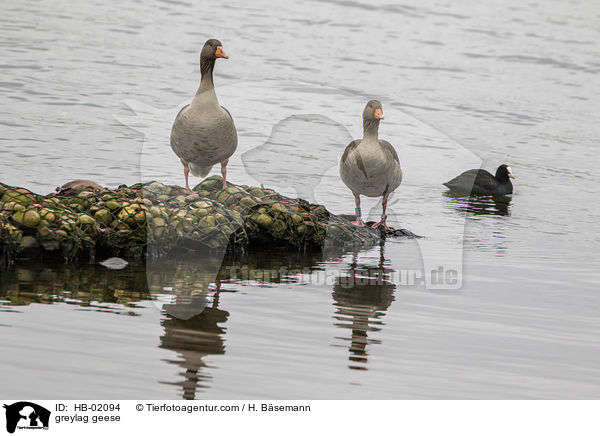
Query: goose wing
[
  {"x": 389, "y": 150},
  {"x": 347, "y": 160}
]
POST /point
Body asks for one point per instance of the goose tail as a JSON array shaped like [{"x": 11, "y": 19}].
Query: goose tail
[{"x": 199, "y": 171}]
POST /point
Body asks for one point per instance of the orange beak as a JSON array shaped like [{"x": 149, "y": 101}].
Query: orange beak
[
  {"x": 378, "y": 114},
  {"x": 220, "y": 53}
]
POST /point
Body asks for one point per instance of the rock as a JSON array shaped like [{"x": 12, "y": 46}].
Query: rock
[
  {"x": 140, "y": 217},
  {"x": 112, "y": 205},
  {"x": 158, "y": 222},
  {"x": 248, "y": 202},
  {"x": 257, "y": 192},
  {"x": 80, "y": 222},
  {"x": 47, "y": 215},
  {"x": 28, "y": 218},
  {"x": 297, "y": 219},
  {"x": 103, "y": 216},
  {"x": 27, "y": 243},
  {"x": 86, "y": 219},
  {"x": 263, "y": 220},
  {"x": 220, "y": 218},
  {"x": 20, "y": 195},
  {"x": 86, "y": 194}
]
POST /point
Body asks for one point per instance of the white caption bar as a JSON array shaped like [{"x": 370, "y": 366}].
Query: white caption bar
[{"x": 26, "y": 417}]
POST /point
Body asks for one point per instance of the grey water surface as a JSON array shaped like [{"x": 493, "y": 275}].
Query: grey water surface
[{"x": 90, "y": 89}]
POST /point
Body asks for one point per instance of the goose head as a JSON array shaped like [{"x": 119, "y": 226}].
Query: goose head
[
  {"x": 373, "y": 111},
  {"x": 372, "y": 115},
  {"x": 212, "y": 50}
]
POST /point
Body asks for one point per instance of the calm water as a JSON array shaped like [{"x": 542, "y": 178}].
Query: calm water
[{"x": 90, "y": 91}]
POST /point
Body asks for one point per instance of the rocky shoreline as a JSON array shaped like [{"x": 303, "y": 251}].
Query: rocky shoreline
[{"x": 151, "y": 219}]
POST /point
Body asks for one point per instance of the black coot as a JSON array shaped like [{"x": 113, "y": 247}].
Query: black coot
[{"x": 482, "y": 182}]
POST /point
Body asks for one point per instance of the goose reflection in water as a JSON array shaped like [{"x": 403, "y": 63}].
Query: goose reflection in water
[
  {"x": 188, "y": 293},
  {"x": 478, "y": 205},
  {"x": 361, "y": 298},
  {"x": 187, "y": 289},
  {"x": 193, "y": 339}
]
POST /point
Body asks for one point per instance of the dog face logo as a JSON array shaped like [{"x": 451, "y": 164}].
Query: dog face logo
[{"x": 26, "y": 415}]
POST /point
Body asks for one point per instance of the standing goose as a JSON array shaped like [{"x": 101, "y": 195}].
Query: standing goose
[
  {"x": 203, "y": 133},
  {"x": 371, "y": 166},
  {"x": 482, "y": 182}
]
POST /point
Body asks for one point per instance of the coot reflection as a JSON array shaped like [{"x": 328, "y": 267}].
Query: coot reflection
[{"x": 499, "y": 205}]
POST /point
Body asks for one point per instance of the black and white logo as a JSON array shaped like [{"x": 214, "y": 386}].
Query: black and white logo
[{"x": 26, "y": 415}]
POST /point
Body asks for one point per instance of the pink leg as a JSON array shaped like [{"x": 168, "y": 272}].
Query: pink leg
[
  {"x": 358, "y": 222},
  {"x": 224, "y": 173},
  {"x": 383, "y": 216},
  {"x": 186, "y": 173}
]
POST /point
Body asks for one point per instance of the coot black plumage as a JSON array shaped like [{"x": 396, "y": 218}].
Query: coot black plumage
[{"x": 482, "y": 182}]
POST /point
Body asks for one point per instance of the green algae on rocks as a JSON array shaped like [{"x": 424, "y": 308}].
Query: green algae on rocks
[{"x": 153, "y": 219}]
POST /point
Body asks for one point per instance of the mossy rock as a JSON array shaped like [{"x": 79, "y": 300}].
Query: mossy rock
[
  {"x": 257, "y": 192},
  {"x": 211, "y": 218},
  {"x": 67, "y": 225},
  {"x": 113, "y": 205},
  {"x": 103, "y": 216},
  {"x": 86, "y": 221},
  {"x": 278, "y": 227},
  {"x": 262, "y": 219},
  {"x": 221, "y": 219},
  {"x": 155, "y": 211},
  {"x": 19, "y": 195},
  {"x": 86, "y": 195},
  {"x": 61, "y": 234},
  {"x": 207, "y": 222},
  {"x": 28, "y": 218},
  {"x": 158, "y": 222},
  {"x": 45, "y": 232},
  {"x": 140, "y": 217},
  {"x": 247, "y": 202},
  {"x": 202, "y": 204},
  {"x": 209, "y": 184},
  {"x": 13, "y": 206},
  {"x": 128, "y": 213},
  {"x": 223, "y": 197},
  {"x": 28, "y": 243},
  {"x": 297, "y": 219},
  {"x": 278, "y": 207},
  {"x": 200, "y": 212},
  {"x": 47, "y": 215}
]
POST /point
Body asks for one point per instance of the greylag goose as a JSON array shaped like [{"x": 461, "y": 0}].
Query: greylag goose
[
  {"x": 203, "y": 133},
  {"x": 482, "y": 182},
  {"x": 370, "y": 166}
]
